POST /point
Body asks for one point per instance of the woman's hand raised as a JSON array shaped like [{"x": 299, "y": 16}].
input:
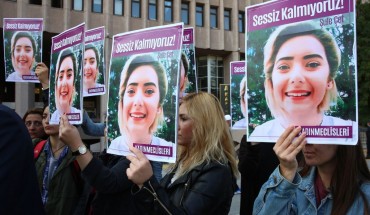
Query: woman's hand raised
[
  {"x": 286, "y": 149},
  {"x": 140, "y": 169}
]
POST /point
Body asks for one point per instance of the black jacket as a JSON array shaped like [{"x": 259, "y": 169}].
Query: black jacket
[
  {"x": 207, "y": 189},
  {"x": 112, "y": 185},
  {"x": 19, "y": 193},
  {"x": 256, "y": 163}
]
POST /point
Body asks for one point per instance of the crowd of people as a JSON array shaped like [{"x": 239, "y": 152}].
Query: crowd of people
[{"x": 290, "y": 176}]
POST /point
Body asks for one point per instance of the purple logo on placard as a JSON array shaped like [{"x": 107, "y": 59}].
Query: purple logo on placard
[
  {"x": 29, "y": 77},
  {"x": 18, "y": 24},
  {"x": 95, "y": 90},
  {"x": 287, "y": 11},
  {"x": 328, "y": 131},
  {"x": 94, "y": 35},
  {"x": 187, "y": 37},
  {"x": 237, "y": 67},
  {"x": 165, "y": 151},
  {"x": 154, "y": 40},
  {"x": 73, "y": 116}
]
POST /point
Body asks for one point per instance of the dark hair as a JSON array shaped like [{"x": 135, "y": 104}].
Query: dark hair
[
  {"x": 142, "y": 60},
  {"x": 19, "y": 34},
  {"x": 97, "y": 55},
  {"x": 283, "y": 34},
  {"x": 38, "y": 111},
  {"x": 351, "y": 171},
  {"x": 133, "y": 63},
  {"x": 62, "y": 55},
  {"x": 185, "y": 62}
]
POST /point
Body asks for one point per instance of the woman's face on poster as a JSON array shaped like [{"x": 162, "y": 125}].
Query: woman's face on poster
[
  {"x": 23, "y": 56},
  {"x": 141, "y": 99},
  {"x": 90, "y": 67},
  {"x": 183, "y": 78},
  {"x": 300, "y": 76},
  {"x": 65, "y": 82}
]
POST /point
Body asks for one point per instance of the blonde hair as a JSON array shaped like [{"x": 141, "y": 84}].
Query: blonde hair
[
  {"x": 211, "y": 139},
  {"x": 283, "y": 34}
]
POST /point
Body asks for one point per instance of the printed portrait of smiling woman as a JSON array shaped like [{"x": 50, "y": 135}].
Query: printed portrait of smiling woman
[
  {"x": 143, "y": 87},
  {"x": 300, "y": 66},
  {"x": 91, "y": 69},
  {"x": 23, "y": 50},
  {"x": 65, "y": 77}
]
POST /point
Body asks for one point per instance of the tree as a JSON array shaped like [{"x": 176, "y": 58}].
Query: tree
[{"x": 363, "y": 61}]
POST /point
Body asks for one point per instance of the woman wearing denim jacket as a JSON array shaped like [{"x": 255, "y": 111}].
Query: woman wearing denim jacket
[{"x": 334, "y": 179}]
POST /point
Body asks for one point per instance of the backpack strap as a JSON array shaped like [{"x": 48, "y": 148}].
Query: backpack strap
[{"x": 38, "y": 148}]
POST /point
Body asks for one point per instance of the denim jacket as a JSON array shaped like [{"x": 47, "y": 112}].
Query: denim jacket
[{"x": 279, "y": 196}]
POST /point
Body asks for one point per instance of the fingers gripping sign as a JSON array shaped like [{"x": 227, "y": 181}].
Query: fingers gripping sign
[
  {"x": 286, "y": 149},
  {"x": 140, "y": 169},
  {"x": 68, "y": 133}
]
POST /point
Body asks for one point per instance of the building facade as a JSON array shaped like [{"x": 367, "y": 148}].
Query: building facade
[{"x": 219, "y": 35}]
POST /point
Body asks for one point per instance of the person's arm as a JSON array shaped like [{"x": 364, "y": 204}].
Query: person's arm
[
  {"x": 90, "y": 127},
  {"x": 276, "y": 195},
  {"x": 42, "y": 72},
  {"x": 100, "y": 177}
]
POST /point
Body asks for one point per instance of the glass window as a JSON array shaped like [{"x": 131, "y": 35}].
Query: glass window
[
  {"x": 227, "y": 20},
  {"x": 199, "y": 15},
  {"x": 185, "y": 13},
  {"x": 78, "y": 5},
  {"x": 39, "y": 2},
  {"x": 136, "y": 8},
  {"x": 210, "y": 74},
  {"x": 213, "y": 17},
  {"x": 57, "y": 3},
  {"x": 241, "y": 24},
  {"x": 152, "y": 10},
  {"x": 118, "y": 7},
  {"x": 168, "y": 11},
  {"x": 97, "y": 6}
]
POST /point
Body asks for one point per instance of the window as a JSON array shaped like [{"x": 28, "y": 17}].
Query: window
[
  {"x": 57, "y": 3},
  {"x": 97, "y": 6},
  {"x": 118, "y": 7},
  {"x": 210, "y": 74},
  {"x": 213, "y": 17},
  {"x": 168, "y": 11},
  {"x": 227, "y": 20},
  {"x": 152, "y": 10},
  {"x": 78, "y": 5},
  {"x": 241, "y": 24},
  {"x": 136, "y": 8},
  {"x": 199, "y": 15},
  {"x": 38, "y": 2},
  {"x": 185, "y": 13}
]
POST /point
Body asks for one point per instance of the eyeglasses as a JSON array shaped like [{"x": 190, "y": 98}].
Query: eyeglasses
[{"x": 35, "y": 123}]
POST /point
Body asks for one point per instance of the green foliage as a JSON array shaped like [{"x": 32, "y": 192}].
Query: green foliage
[
  {"x": 166, "y": 131},
  {"x": 7, "y": 52},
  {"x": 189, "y": 50},
  {"x": 77, "y": 99},
  {"x": 259, "y": 112},
  {"x": 235, "y": 98},
  {"x": 363, "y": 60}
]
